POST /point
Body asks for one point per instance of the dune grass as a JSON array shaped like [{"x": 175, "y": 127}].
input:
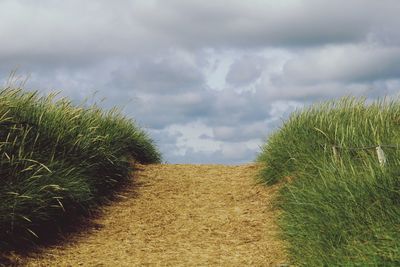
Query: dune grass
[
  {"x": 340, "y": 205},
  {"x": 58, "y": 159}
]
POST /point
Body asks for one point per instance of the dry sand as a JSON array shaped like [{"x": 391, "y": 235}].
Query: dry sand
[{"x": 179, "y": 215}]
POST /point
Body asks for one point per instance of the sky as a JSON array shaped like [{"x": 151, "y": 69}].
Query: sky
[{"x": 209, "y": 80}]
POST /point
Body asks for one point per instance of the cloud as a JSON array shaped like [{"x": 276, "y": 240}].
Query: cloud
[
  {"x": 159, "y": 111},
  {"x": 208, "y": 79},
  {"x": 45, "y": 32},
  {"x": 175, "y": 71},
  {"x": 349, "y": 63},
  {"x": 245, "y": 70},
  {"x": 250, "y": 131},
  {"x": 263, "y": 23},
  {"x": 227, "y": 155}
]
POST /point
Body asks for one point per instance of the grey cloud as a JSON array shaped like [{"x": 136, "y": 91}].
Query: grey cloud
[
  {"x": 220, "y": 156},
  {"x": 245, "y": 70},
  {"x": 81, "y": 31},
  {"x": 241, "y": 132},
  {"x": 164, "y": 137},
  {"x": 205, "y": 136},
  {"x": 216, "y": 108},
  {"x": 319, "y": 91},
  {"x": 231, "y": 107},
  {"x": 163, "y": 76},
  {"x": 262, "y": 23},
  {"x": 158, "y": 111},
  {"x": 350, "y": 63},
  {"x": 238, "y": 152},
  {"x": 151, "y": 57}
]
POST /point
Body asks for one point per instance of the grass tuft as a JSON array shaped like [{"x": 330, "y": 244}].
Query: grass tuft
[
  {"x": 341, "y": 207},
  {"x": 57, "y": 158}
]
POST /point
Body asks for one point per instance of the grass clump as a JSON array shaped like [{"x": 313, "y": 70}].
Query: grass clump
[
  {"x": 58, "y": 159},
  {"x": 340, "y": 205}
]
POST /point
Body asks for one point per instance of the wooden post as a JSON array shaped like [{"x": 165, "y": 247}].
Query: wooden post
[
  {"x": 335, "y": 154},
  {"x": 381, "y": 156}
]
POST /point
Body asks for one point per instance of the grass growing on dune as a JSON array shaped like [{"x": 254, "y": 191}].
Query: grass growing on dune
[
  {"x": 341, "y": 209},
  {"x": 56, "y": 158}
]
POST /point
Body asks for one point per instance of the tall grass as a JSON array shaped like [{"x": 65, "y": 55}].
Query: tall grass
[
  {"x": 341, "y": 209},
  {"x": 57, "y": 158}
]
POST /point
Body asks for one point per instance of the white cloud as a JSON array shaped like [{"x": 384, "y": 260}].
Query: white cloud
[
  {"x": 209, "y": 79},
  {"x": 348, "y": 63},
  {"x": 246, "y": 70}
]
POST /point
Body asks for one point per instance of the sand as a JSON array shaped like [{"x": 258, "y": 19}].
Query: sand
[{"x": 179, "y": 215}]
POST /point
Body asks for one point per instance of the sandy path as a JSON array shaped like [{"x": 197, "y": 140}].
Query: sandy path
[{"x": 180, "y": 215}]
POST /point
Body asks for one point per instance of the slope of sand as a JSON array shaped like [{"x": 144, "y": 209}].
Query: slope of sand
[{"x": 180, "y": 215}]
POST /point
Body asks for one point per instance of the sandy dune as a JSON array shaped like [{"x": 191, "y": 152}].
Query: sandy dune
[{"x": 179, "y": 215}]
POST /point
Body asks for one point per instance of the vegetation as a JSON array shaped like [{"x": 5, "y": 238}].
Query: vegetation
[
  {"x": 58, "y": 159},
  {"x": 340, "y": 205}
]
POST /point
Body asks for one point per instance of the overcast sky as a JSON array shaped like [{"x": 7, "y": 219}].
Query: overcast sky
[{"x": 208, "y": 79}]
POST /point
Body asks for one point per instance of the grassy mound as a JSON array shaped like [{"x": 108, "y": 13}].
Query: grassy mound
[
  {"x": 341, "y": 205},
  {"x": 58, "y": 159}
]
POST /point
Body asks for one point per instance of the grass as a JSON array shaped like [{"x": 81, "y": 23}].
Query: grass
[
  {"x": 58, "y": 159},
  {"x": 341, "y": 209}
]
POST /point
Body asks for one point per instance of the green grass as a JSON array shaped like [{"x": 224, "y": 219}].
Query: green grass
[
  {"x": 342, "y": 210},
  {"x": 58, "y": 159}
]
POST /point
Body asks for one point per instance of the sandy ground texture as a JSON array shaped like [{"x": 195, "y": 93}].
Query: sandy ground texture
[{"x": 180, "y": 215}]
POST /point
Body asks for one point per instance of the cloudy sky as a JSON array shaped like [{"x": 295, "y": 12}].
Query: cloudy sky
[{"x": 208, "y": 79}]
